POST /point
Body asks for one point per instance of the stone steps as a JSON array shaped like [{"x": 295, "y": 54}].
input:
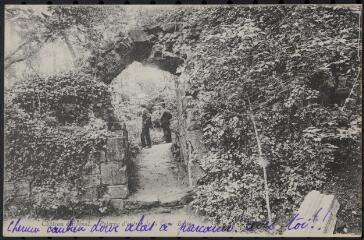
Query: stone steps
[{"x": 164, "y": 206}]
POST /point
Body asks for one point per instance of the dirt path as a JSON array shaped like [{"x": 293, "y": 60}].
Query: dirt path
[
  {"x": 158, "y": 180},
  {"x": 157, "y": 176}
]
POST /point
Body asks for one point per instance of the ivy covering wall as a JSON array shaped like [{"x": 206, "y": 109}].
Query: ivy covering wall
[
  {"x": 51, "y": 137},
  {"x": 296, "y": 69}
]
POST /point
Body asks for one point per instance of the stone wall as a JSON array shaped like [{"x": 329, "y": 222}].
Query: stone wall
[
  {"x": 110, "y": 171},
  {"x": 105, "y": 169},
  {"x": 189, "y": 134}
]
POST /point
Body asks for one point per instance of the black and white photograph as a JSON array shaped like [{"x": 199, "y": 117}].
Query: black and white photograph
[{"x": 182, "y": 120}]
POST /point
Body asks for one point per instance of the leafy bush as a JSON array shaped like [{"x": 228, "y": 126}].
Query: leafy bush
[
  {"x": 293, "y": 68},
  {"x": 226, "y": 191},
  {"x": 69, "y": 97},
  {"x": 52, "y": 155},
  {"x": 53, "y": 158}
]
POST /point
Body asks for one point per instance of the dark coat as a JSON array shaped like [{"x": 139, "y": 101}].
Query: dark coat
[
  {"x": 165, "y": 119},
  {"x": 146, "y": 120}
]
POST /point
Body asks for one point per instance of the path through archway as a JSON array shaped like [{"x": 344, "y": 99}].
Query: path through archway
[{"x": 156, "y": 176}]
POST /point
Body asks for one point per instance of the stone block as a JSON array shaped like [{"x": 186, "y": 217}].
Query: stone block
[
  {"x": 112, "y": 173},
  {"x": 117, "y": 203},
  {"x": 115, "y": 150},
  {"x": 318, "y": 211},
  {"x": 118, "y": 191}
]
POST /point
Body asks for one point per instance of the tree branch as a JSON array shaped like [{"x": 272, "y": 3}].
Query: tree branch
[
  {"x": 16, "y": 50},
  {"x": 9, "y": 63},
  {"x": 69, "y": 45}
]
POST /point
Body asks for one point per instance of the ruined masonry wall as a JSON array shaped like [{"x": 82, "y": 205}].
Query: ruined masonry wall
[
  {"x": 109, "y": 169},
  {"x": 189, "y": 132}
]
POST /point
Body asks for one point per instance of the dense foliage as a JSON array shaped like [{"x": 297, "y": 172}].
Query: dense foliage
[
  {"x": 51, "y": 138},
  {"x": 68, "y": 97},
  {"x": 56, "y": 123},
  {"x": 292, "y": 68}
]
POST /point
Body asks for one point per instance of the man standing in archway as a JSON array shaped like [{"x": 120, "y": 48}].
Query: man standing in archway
[
  {"x": 146, "y": 125},
  {"x": 165, "y": 124}
]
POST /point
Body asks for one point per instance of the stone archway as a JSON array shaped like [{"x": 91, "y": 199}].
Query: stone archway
[
  {"x": 140, "y": 45},
  {"x": 137, "y": 45}
]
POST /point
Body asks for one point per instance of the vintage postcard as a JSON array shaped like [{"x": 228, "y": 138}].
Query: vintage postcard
[{"x": 182, "y": 120}]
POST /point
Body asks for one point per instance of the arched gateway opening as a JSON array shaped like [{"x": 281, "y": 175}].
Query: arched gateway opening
[
  {"x": 140, "y": 45},
  {"x": 139, "y": 85},
  {"x": 144, "y": 87},
  {"x": 141, "y": 75}
]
